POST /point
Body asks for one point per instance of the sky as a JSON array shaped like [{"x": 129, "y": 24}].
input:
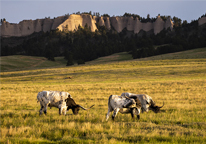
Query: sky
[{"x": 15, "y": 11}]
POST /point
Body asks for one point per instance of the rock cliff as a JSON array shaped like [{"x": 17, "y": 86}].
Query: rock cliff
[
  {"x": 202, "y": 21},
  {"x": 27, "y": 27},
  {"x": 71, "y": 22},
  {"x": 74, "y": 21},
  {"x": 131, "y": 24}
]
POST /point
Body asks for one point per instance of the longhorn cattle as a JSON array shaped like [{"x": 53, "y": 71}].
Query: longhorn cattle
[
  {"x": 61, "y": 100},
  {"x": 124, "y": 105},
  {"x": 146, "y": 102}
]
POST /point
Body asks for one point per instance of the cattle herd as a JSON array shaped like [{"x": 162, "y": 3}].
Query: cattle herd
[{"x": 126, "y": 103}]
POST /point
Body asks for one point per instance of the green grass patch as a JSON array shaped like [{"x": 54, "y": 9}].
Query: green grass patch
[{"x": 20, "y": 62}]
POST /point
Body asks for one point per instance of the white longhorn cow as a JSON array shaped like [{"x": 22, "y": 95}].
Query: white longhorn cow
[
  {"x": 123, "y": 105},
  {"x": 53, "y": 99}
]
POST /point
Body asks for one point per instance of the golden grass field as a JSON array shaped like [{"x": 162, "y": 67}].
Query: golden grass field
[{"x": 178, "y": 79}]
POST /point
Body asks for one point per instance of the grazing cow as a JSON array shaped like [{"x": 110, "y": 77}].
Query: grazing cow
[
  {"x": 146, "y": 102},
  {"x": 53, "y": 99},
  {"x": 123, "y": 105},
  {"x": 61, "y": 100}
]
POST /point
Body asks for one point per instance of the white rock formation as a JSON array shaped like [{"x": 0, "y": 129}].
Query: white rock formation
[
  {"x": 202, "y": 21},
  {"x": 72, "y": 22}
]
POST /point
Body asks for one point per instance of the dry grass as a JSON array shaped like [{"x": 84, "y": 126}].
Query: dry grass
[{"x": 181, "y": 84}]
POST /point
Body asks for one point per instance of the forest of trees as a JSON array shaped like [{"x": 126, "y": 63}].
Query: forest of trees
[{"x": 83, "y": 45}]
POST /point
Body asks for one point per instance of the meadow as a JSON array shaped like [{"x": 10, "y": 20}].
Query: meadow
[{"x": 178, "y": 80}]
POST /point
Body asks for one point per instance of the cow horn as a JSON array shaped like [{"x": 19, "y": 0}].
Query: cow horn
[
  {"x": 85, "y": 108},
  {"x": 127, "y": 97},
  {"x": 162, "y": 105}
]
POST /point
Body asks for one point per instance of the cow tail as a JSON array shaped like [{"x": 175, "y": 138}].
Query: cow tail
[
  {"x": 109, "y": 99},
  {"x": 109, "y": 105},
  {"x": 38, "y": 97}
]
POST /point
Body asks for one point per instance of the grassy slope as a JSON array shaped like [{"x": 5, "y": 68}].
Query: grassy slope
[
  {"x": 19, "y": 62},
  {"x": 180, "y": 83},
  {"x": 189, "y": 54},
  {"x": 13, "y": 63}
]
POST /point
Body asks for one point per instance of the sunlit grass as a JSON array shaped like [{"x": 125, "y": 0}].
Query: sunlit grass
[{"x": 181, "y": 84}]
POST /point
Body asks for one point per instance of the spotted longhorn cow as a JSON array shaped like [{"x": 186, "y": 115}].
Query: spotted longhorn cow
[
  {"x": 146, "y": 102},
  {"x": 124, "y": 105},
  {"x": 61, "y": 100}
]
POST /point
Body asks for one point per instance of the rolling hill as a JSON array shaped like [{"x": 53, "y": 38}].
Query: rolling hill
[{"x": 20, "y": 62}]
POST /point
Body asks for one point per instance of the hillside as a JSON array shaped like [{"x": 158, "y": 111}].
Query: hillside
[{"x": 20, "y": 62}]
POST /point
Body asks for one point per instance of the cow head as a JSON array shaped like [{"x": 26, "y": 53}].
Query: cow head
[
  {"x": 154, "y": 107},
  {"x": 72, "y": 105},
  {"x": 75, "y": 109}
]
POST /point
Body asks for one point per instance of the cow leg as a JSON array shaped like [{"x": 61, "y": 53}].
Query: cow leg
[
  {"x": 110, "y": 109},
  {"x": 138, "y": 117},
  {"x": 45, "y": 110},
  {"x": 65, "y": 110},
  {"x": 41, "y": 110},
  {"x": 132, "y": 113},
  {"x": 108, "y": 113},
  {"x": 115, "y": 113},
  {"x": 60, "y": 111},
  {"x": 43, "y": 106},
  {"x": 135, "y": 112}
]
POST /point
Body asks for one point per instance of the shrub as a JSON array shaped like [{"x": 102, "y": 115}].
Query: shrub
[{"x": 80, "y": 61}]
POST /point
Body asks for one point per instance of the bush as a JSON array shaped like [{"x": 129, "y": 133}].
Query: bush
[
  {"x": 80, "y": 61},
  {"x": 69, "y": 63}
]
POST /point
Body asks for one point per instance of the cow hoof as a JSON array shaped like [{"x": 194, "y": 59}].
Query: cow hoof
[{"x": 45, "y": 112}]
